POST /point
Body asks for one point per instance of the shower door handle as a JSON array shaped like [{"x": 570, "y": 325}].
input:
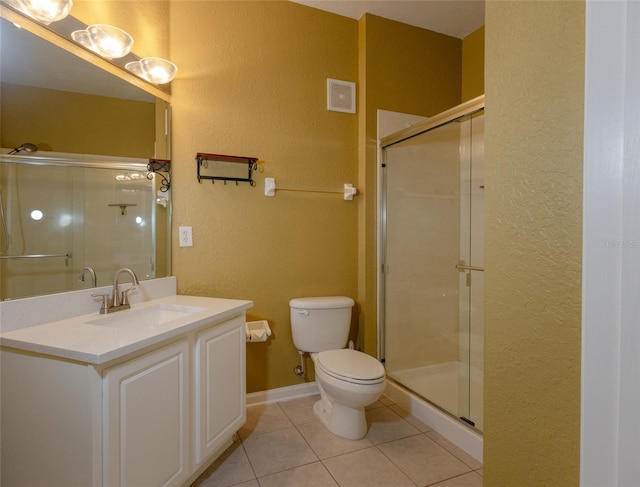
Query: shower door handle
[{"x": 462, "y": 267}]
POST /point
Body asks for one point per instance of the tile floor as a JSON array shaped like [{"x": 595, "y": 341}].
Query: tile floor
[{"x": 284, "y": 444}]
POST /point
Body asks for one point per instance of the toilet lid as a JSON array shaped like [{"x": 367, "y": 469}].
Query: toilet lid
[{"x": 351, "y": 364}]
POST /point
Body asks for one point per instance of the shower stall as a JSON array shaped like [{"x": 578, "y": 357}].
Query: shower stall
[
  {"x": 432, "y": 270},
  {"x": 61, "y": 213}
]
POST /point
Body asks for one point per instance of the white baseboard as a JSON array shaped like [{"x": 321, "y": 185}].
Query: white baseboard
[{"x": 282, "y": 393}]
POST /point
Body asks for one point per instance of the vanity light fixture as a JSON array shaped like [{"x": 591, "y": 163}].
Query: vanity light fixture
[
  {"x": 82, "y": 38},
  {"x": 154, "y": 69},
  {"x": 106, "y": 40},
  {"x": 46, "y": 11}
]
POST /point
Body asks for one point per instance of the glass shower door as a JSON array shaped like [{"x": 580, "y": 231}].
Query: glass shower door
[
  {"x": 432, "y": 261},
  {"x": 471, "y": 269}
]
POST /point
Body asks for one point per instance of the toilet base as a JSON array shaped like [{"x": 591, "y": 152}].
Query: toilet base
[{"x": 343, "y": 421}]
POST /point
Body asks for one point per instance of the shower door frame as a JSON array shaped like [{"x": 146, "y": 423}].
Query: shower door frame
[{"x": 465, "y": 109}]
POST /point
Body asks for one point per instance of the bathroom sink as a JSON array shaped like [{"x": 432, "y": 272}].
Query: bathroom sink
[{"x": 146, "y": 317}]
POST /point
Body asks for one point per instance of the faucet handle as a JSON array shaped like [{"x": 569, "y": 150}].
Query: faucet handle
[
  {"x": 105, "y": 302},
  {"x": 125, "y": 295}
]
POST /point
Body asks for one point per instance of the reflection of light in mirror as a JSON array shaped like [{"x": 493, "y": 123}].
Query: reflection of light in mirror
[
  {"x": 65, "y": 220},
  {"x": 140, "y": 221},
  {"x": 36, "y": 215},
  {"x": 132, "y": 176}
]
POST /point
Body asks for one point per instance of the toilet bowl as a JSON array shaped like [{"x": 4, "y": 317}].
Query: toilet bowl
[
  {"x": 348, "y": 380},
  {"x": 345, "y": 391}
]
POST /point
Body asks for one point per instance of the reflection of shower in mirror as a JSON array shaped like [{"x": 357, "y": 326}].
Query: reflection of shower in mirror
[
  {"x": 62, "y": 212},
  {"x": 26, "y": 147}
]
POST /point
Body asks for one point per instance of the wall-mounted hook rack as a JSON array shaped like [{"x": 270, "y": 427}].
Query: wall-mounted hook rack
[
  {"x": 349, "y": 191},
  {"x": 163, "y": 168},
  {"x": 226, "y": 168}
]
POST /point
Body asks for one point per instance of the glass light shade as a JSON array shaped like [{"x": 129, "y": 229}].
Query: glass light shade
[
  {"x": 135, "y": 67},
  {"x": 158, "y": 70},
  {"x": 82, "y": 38},
  {"x": 46, "y": 10},
  {"x": 109, "y": 41}
]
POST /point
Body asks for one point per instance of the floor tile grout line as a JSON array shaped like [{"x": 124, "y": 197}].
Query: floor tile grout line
[
  {"x": 388, "y": 406},
  {"x": 246, "y": 454},
  {"x": 397, "y": 466},
  {"x": 450, "y": 450},
  {"x": 450, "y": 478}
]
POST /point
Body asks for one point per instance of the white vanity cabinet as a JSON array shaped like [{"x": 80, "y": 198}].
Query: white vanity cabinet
[
  {"x": 146, "y": 420},
  {"x": 156, "y": 416},
  {"x": 220, "y": 385}
]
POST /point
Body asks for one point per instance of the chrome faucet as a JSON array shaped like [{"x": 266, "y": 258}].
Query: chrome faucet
[
  {"x": 119, "y": 300},
  {"x": 92, "y": 274}
]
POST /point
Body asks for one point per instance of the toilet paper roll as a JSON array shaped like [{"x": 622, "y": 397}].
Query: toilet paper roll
[
  {"x": 257, "y": 331},
  {"x": 258, "y": 335}
]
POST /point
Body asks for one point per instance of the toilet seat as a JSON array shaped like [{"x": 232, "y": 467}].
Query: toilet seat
[{"x": 351, "y": 366}]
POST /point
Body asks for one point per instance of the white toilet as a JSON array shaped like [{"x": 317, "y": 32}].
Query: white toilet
[{"x": 348, "y": 380}]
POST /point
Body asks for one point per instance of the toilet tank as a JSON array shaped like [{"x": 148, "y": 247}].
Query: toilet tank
[{"x": 320, "y": 323}]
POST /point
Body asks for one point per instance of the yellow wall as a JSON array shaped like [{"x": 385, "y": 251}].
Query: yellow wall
[
  {"x": 404, "y": 69},
  {"x": 534, "y": 137},
  {"x": 67, "y": 122},
  {"x": 473, "y": 65},
  {"x": 253, "y": 83}
]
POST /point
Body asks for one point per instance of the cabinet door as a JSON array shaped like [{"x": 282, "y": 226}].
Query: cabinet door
[
  {"x": 146, "y": 419},
  {"x": 220, "y": 385}
]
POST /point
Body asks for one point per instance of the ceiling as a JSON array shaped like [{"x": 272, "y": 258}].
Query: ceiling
[{"x": 456, "y": 18}]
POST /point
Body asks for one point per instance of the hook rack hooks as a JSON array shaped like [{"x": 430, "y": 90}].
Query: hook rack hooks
[{"x": 221, "y": 170}]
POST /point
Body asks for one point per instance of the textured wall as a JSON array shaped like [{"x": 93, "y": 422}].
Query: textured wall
[
  {"x": 252, "y": 82},
  {"x": 534, "y": 138}
]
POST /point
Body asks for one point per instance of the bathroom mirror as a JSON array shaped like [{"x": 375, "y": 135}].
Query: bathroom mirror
[{"x": 94, "y": 132}]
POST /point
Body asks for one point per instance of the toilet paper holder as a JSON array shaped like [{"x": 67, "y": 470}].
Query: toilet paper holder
[{"x": 257, "y": 331}]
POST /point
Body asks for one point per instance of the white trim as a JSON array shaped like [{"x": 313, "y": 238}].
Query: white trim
[
  {"x": 282, "y": 394},
  {"x": 610, "y": 432},
  {"x": 454, "y": 431}
]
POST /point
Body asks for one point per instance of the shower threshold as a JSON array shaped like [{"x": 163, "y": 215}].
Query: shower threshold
[{"x": 441, "y": 385}]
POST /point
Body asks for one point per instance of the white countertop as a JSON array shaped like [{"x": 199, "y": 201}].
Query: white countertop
[{"x": 98, "y": 339}]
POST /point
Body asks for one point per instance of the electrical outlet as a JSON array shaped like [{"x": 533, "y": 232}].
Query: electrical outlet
[{"x": 185, "y": 236}]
